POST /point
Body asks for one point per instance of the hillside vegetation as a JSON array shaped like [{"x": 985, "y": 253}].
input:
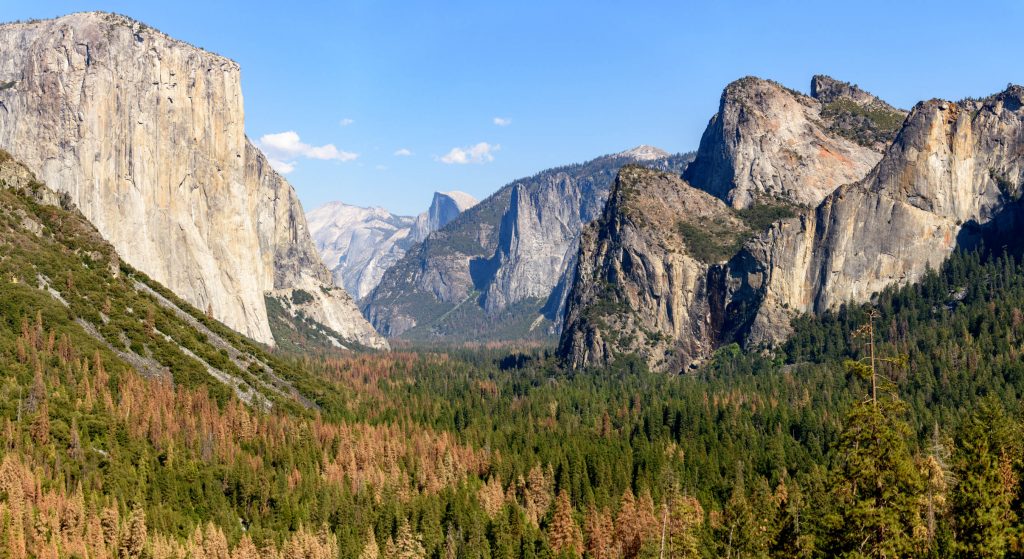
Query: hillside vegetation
[{"x": 134, "y": 426}]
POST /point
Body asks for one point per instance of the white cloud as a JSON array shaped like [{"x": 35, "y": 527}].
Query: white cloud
[
  {"x": 281, "y": 166},
  {"x": 480, "y": 153},
  {"x": 502, "y": 121},
  {"x": 381, "y": 167},
  {"x": 403, "y": 153},
  {"x": 284, "y": 148},
  {"x": 346, "y": 121}
]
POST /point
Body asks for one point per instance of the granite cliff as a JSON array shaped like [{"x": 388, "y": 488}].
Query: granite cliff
[
  {"x": 951, "y": 171},
  {"x": 145, "y": 134},
  {"x": 770, "y": 143},
  {"x": 501, "y": 269}
]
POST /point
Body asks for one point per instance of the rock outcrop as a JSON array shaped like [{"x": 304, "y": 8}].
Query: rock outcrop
[
  {"x": 146, "y": 136},
  {"x": 501, "y": 269},
  {"x": 855, "y": 114},
  {"x": 359, "y": 244},
  {"x": 640, "y": 289},
  {"x": 770, "y": 143},
  {"x": 952, "y": 170},
  {"x": 444, "y": 208},
  {"x": 952, "y": 167}
]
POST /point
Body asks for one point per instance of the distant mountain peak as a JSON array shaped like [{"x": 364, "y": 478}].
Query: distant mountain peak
[
  {"x": 463, "y": 200},
  {"x": 359, "y": 244},
  {"x": 643, "y": 152}
]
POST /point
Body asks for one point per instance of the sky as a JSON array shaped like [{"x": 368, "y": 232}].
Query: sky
[{"x": 382, "y": 103}]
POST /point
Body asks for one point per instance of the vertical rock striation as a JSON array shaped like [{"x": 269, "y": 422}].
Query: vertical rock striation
[
  {"x": 953, "y": 167},
  {"x": 146, "y": 135},
  {"x": 640, "y": 289},
  {"x": 952, "y": 170},
  {"x": 501, "y": 270}
]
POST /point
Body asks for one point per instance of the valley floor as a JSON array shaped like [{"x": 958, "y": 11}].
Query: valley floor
[{"x": 485, "y": 454}]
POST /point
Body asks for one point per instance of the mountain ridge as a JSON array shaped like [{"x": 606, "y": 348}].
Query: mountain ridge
[
  {"x": 951, "y": 168},
  {"x": 475, "y": 280},
  {"x": 359, "y": 244}
]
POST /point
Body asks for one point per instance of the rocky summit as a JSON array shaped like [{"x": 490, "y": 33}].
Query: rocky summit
[
  {"x": 359, "y": 244},
  {"x": 769, "y": 143},
  {"x": 951, "y": 177},
  {"x": 638, "y": 287},
  {"x": 145, "y": 134}
]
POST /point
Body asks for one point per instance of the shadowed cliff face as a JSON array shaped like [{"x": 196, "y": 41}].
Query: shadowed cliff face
[
  {"x": 146, "y": 135},
  {"x": 639, "y": 287},
  {"x": 953, "y": 174}
]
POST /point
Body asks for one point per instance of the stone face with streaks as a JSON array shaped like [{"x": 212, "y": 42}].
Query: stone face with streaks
[
  {"x": 639, "y": 288},
  {"x": 952, "y": 167},
  {"x": 146, "y": 136},
  {"x": 954, "y": 172},
  {"x": 768, "y": 143}
]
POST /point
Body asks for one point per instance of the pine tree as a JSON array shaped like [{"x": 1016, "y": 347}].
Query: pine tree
[
  {"x": 685, "y": 518},
  {"x": 743, "y": 533},
  {"x": 627, "y": 527},
  {"x": 408, "y": 544},
  {"x": 564, "y": 533},
  {"x": 370, "y": 549},
  {"x": 600, "y": 534},
  {"x": 538, "y": 494},
  {"x": 876, "y": 488},
  {"x": 133, "y": 541},
  {"x": 245, "y": 549},
  {"x": 981, "y": 503}
]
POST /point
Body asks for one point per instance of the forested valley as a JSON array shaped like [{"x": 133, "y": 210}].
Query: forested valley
[{"x": 499, "y": 452}]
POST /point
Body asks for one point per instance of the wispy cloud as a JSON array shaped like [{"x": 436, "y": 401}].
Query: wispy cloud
[
  {"x": 403, "y": 153},
  {"x": 284, "y": 148},
  {"x": 281, "y": 166},
  {"x": 346, "y": 121},
  {"x": 381, "y": 167},
  {"x": 502, "y": 121},
  {"x": 480, "y": 153}
]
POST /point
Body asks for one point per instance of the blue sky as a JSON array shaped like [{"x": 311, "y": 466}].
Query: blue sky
[{"x": 571, "y": 80}]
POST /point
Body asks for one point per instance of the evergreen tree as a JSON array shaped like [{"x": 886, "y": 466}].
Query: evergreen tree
[
  {"x": 981, "y": 503},
  {"x": 370, "y": 549},
  {"x": 685, "y": 516},
  {"x": 564, "y": 533},
  {"x": 876, "y": 488},
  {"x": 408, "y": 544},
  {"x": 600, "y": 534}
]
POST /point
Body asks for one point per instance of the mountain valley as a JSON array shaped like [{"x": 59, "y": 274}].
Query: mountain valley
[{"x": 805, "y": 339}]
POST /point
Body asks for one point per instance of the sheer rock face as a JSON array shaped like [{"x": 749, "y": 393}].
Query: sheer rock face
[
  {"x": 146, "y": 135},
  {"x": 444, "y": 208},
  {"x": 501, "y": 270},
  {"x": 638, "y": 288},
  {"x": 538, "y": 238},
  {"x": 769, "y": 143},
  {"x": 952, "y": 168},
  {"x": 359, "y": 244}
]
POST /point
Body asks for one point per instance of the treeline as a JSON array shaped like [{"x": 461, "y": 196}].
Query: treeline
[{"x": 482, "y": 454}]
